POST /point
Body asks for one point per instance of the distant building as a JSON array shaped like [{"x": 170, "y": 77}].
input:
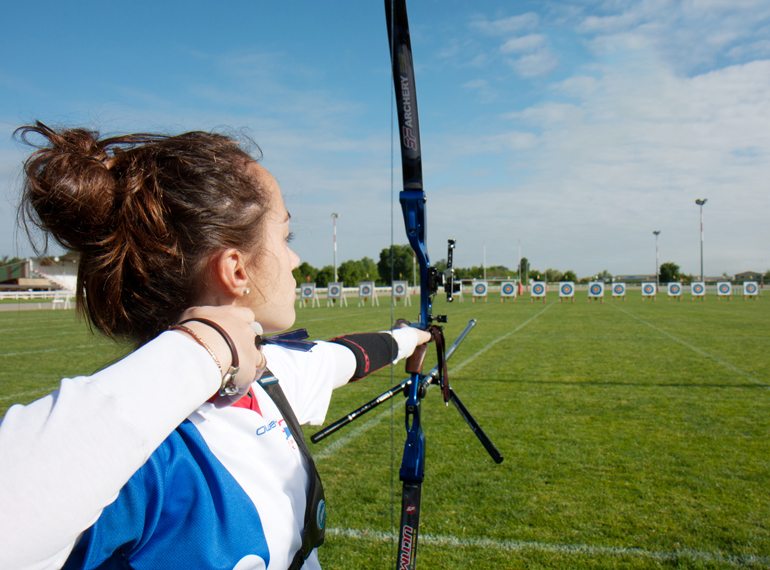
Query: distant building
[{"x": 748, "y": 276}]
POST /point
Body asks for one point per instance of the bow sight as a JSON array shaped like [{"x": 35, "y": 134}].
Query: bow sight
[{"x": 444, "y": 280}]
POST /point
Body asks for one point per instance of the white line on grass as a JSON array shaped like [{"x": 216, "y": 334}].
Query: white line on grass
[
  {"x": 341, "y": 442},
  {"x": 500, "y": 339},
  {"x": 27, "y": 393},
  {"x": 43, "y": 350},
  {"x": 558, "y": 548},
  {"x": 695, "y": 349}
]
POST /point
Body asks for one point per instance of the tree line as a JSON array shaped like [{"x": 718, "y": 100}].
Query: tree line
[{"x": 397, "y": 263}]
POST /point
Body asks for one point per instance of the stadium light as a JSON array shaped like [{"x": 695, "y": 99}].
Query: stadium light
[
  {"x": 700, "y": 202},
  {"x": 657, "y": 260},
  {"x": 334, "y": 242}
]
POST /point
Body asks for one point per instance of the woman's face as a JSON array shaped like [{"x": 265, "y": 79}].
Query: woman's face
[{"x": 273, "y": 286}]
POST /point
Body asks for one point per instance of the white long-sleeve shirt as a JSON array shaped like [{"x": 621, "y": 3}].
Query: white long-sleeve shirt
[{"x": 66, "y": 457}]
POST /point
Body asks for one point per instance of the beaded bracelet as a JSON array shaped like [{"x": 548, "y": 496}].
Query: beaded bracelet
[
  {"x": 228, "y": 387},
  {"x": 197, "y": 339}
]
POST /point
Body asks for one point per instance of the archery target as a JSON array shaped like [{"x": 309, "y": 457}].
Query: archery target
[
  {"x": 538, "y": 289},
  {"x": 480, "y": 288},
  {"x": 335, "y": 290},
  {"x": 365, "y": 289},
  {"x": 596, "y": 289},
  {"x": 724, "y": 289},
  {"x": 648, "y": 289},
  {"x": 618, "y": 289},
  {"x": 400, "y": 289},
  {"x": 698, "y": 289},
  {"x": 508, "y": 289},
  {"x": 307, "y": 290},
  {"x": 750, "y": 288},
  {"x": 566, "y": 289},
  {"x": 674, "y": 289}
]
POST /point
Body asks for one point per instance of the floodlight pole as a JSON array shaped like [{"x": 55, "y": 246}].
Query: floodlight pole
[
  {"x": 657, "y": 260},
  {"x": 700, "y": 202},
  {"x": 334, "y": 242},
  {"x": 484, "y": 261}
]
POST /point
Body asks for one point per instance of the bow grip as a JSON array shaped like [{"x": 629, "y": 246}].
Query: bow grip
[{"x": 414, "y": 362}]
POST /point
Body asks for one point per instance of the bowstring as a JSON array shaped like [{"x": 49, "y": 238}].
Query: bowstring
[{"x": 391, "y": 98}]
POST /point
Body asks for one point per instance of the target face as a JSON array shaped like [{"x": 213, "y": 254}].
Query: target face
[
  {"x": 674, "y": 289},
  {"x": 307, "y": 291},
  {"x": 698, "y": 289},
  {"x": 750, "y": 288},
  {"x": 596, "y": 289},
  {"x": 508, "y": 289},
  {"x": 619, "y": 289},
  {"x": 334, "y": 290},
  {"x": 365, "y": 290},
  {"x": 724, "y": 288},
  {"x": 566, "y": 289},
  {"x": 648, "y": 289},
  {"x": 480, "y": 289},
  {"x": 399, "y": 289},
  {"x": 538, "y": 289}
]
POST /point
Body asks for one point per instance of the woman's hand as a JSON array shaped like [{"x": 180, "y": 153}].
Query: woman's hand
[
  {"x": 423, "y": 337},
  {"x": 238, "y": 323}
]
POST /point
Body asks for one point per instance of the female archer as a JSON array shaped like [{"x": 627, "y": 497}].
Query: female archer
[{"x": 186, "y": 453}]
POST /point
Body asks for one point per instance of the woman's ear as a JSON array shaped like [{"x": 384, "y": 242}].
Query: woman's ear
[{"x": 229, "y": 273}]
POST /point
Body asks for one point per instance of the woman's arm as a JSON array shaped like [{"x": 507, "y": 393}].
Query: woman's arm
[
  {"x": 308, "y": 378},
  {"x": 65, "y": 457}
]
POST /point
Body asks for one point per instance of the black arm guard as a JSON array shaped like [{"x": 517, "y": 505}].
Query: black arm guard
[{"x": 372, "y": 351}]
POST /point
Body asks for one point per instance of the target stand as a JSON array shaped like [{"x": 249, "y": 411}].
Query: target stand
[
  {"x": 697, "y": 291},
  {"x": 480, "y": 290},
  {"x": 750, "y": 291},
  {"x": 567, "y": 291},
  {"x": 596, "y": 291},
  {"x": 508, "y": 291},
  {"x": 335, "y": 294},
  {"x": 724, "y": 290},
  {"x": 537, "y": 291},
  {"x": 400, "y": 292},
  {"x": 308, "y": 295},
  {"x": 366, "y": 292},
  {"x": 619, "y": 291},
  {"x": 674, "y": 291},
  {"x": 648, "y": 291}
]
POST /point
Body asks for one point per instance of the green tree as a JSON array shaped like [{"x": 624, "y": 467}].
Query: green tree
[
  {"x": 569, "y": 275},
  {"x": 352, "y": 272},
  {"x": 669, "y": 271},
  {"x": 604, "y": 275},
  {"x": 305, "y": 273},
  {"x": 325, "y": 276},
  {"x": 524, "y": 270},
  {"x": 553, "y": 275},
  {"x": 395, "y": 260}
]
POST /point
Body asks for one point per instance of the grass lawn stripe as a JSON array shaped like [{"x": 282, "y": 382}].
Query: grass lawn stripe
[
  {"x": 695, "y": 349},
  {"x": 574, "y": 549}
]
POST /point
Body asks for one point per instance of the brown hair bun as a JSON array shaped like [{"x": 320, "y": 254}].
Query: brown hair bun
[
  {"x": 69, "y": 188},
  {"x": 146, "y": 212}
]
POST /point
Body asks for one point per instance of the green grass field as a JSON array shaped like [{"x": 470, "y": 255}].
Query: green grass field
[{"x": 635, "y": 435}]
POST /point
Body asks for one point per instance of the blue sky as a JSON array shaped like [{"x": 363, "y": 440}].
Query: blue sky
[{"x": 571, "y": 129}]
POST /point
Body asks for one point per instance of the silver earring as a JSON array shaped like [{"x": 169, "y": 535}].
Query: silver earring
[{"x": 246, "y": 291}]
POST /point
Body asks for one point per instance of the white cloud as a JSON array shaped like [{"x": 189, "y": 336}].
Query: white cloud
[
  {"x": 523, "y": 43},
  {"x": 534, "y": 64},
  {"x": 637, "y": 149},
  {"x": 503, "y": 26}
]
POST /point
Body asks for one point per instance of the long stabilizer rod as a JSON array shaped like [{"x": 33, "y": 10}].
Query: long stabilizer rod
[{"x": 388, "y": 394}]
